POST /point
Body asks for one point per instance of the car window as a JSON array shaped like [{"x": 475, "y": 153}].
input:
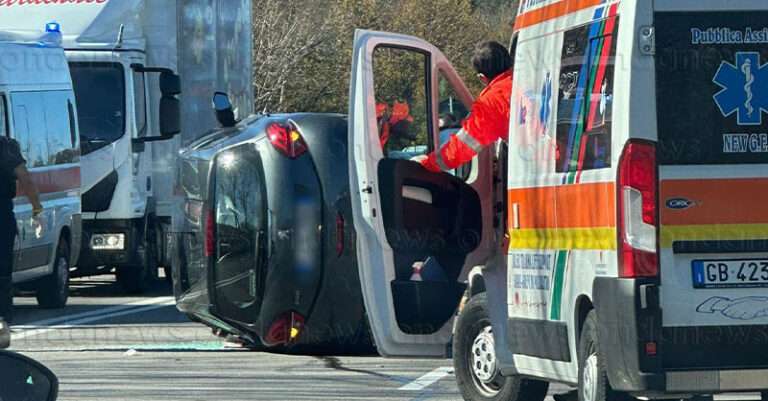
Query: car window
[
  {"x": 585, "y": 98},
  {"x": 400, "y": 86},
  {"x": 240, "y": 221}
]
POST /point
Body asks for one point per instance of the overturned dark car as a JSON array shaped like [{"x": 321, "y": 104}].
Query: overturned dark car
[{"x": 264, "y": 245}]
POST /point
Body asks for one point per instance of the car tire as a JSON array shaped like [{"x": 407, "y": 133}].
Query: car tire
[
  {"x": 593, "y": 379},
  {"x": 475, "y": 366},
  {"x": 52, "y": 291}
]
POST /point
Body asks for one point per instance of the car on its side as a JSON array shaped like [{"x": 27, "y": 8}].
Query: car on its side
[{"x": 264, "y": 245}]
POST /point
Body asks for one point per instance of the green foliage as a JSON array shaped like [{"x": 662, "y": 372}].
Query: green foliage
[{"x": 303, "y": 48}]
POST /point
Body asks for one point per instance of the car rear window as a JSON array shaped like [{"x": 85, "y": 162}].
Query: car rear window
[{"x": 711, "y": 81}]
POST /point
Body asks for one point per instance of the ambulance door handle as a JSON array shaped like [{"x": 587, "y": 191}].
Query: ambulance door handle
[
  {"x": 417, "y": 193},
  {"x": 516, "y": 216}
]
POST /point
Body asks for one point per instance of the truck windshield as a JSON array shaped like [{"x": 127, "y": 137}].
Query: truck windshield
[{"x": 100, "y": 95}]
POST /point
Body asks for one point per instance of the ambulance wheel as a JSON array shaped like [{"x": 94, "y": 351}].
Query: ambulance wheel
[
  {"x": 593, "y": 380},
  {"x": 52, "y": 291},
  {"x": 475, "y": 364}
]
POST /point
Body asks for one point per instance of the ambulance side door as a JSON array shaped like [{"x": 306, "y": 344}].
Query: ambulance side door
[{"x": 406, "y": 217}]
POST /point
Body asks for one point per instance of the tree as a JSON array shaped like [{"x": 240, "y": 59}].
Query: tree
[{"x": 302, "y": 51}]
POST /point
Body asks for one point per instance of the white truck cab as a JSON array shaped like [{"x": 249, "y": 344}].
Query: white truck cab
[
  {"x": 638, "y": 251},
  {"x": 129, "y": 61},
  {"x": 38, "y": 110}
]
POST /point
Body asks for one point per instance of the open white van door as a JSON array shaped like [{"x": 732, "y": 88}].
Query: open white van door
[{"x": 418, "y": 232}]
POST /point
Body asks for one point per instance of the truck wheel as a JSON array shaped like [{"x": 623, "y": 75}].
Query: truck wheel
[
  {"x": 52, "y": 290},
  {"x": 168, "y": 274},
  {"x": 475, "y": 363},
  {"x": 593, "y": 380},
  {"x": 136, "y": 279}
]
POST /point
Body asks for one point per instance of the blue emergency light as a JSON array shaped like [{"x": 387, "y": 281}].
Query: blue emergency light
[{"x": 53, "y": 27}]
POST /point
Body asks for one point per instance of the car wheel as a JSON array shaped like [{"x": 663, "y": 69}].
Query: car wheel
[
  {"x": 593, "y": 380},
  {"x": 52, "y": 291},
  {"x": 475, "y": 364}
]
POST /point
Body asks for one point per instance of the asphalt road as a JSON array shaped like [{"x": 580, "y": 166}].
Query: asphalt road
[{"x": 106, "y": 345}]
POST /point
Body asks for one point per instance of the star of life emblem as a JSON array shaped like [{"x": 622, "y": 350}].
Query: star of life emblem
[{"x": 743, "y": 90}]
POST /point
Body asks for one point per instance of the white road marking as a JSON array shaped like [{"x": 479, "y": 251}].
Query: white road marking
[
  {"x": 90, "y": 317},
  {"x": 738, "y": 397},
  {"x": 428, "y": 379}
]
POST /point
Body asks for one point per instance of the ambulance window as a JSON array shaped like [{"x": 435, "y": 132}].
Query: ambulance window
[
  {"x": 57, "y": 126},
  {"x": 585, "y": 97},
  {"x": 3, "y": 117},
  {"x": 30, "y": 127},
  {"x": 400, "y": 86},
  {"x": 451, "y": 112}
]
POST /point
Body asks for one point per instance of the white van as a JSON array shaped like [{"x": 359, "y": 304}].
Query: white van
[
  {"x": 637, "y": 261},
  {"x": 37, "y": 109}
]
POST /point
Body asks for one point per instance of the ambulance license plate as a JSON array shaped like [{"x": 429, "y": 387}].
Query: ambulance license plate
[{"x": 737, "y": 273}]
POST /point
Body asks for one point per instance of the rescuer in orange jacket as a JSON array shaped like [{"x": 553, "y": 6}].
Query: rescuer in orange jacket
[{"x": 489, "y": 117}]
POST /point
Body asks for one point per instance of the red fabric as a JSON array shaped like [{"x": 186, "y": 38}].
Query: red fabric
[
  {"x": 400, "y": 112},
  {"x": 487, "y": 123}
]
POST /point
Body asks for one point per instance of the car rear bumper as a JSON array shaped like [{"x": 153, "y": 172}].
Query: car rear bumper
[{"x": 688, "y": 360}]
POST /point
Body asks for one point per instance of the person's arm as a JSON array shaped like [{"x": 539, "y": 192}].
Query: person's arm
[{"x": 30, "y": 189}]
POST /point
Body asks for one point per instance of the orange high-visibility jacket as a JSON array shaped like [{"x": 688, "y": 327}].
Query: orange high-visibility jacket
[{"x": 487, "y": 122}]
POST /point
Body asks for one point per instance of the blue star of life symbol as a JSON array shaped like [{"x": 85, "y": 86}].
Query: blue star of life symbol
[{"x": 744, "y": 87}]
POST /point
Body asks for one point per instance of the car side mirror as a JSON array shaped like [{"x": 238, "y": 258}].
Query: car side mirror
[
  {"x": 170, "y": 106},
  {"x": 23, "y": 378},
  {"x": 222, "y": 106}
]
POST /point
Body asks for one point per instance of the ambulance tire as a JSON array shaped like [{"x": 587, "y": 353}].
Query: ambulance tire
[
  {"x": 473, "y": 322},
  {"x": 52, "y": 291},
  {"x": 593, "y": 380}
]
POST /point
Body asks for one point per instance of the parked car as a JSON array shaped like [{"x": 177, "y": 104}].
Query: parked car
[
  {"x": 37, "y": 109},
  {"x": 264, "y": 242}
]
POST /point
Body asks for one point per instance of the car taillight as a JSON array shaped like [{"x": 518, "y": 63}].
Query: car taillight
[
  {"x": 287, "y": 139},
  {"x": 339, "y": 235},
  {"x": 637, "y": 217},
  {"x": 210, "y": 234},
  {"x": 285, "y": 330}
]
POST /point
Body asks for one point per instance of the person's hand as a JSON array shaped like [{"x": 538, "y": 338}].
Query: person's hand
[{"x": 37, "y": 209}]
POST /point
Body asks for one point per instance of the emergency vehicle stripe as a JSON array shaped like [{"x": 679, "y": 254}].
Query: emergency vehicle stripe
[
  {"x": 553, "y": 11},
  {"x": 54, "y": 180},
  {"x": 548, "y": 219},
  {"x": 469, "y": 141},
  {"x": 713, "y": 232},
  {"x": 557, "y": 285}
]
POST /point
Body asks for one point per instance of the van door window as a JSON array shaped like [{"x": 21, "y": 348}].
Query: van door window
[
  {"x": 585, "y": 97},
  {"x": 400, "y": 86},
  {"x": 58, "y": 129},
  {"x": 100, "y": 95},
  {"x": 452, "y": 112},
  {"x": 140, "y": 101},
  {"x": 29, "y": 124},
  {"x": 3, "y": 116}
]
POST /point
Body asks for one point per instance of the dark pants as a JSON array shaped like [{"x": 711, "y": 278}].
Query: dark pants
[{"x": 7, "y": 235}]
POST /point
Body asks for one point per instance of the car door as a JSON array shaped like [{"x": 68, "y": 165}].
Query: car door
[{"x": 418, "y": 232}]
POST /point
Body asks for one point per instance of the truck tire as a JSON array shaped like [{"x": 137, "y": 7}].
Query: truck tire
[
  {"x": 475, "y": 364},
  {"x": 136, "y": 279},
  {"x": 593, "y": 380},
  {"x": 52, "y": 291}
]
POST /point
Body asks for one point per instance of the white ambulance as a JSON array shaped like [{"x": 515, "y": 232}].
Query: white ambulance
[
  {"x": 636, "y": 259},
  {"x": 37, "y": 109}
]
